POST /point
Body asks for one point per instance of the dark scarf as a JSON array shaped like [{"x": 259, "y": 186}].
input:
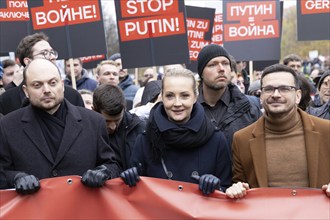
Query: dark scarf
[
  {"x": 164, "y": 134},
  {"x": 52, "y": 126}
]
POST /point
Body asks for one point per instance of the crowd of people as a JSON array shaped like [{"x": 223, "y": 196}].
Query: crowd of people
[{"x": 223, "y": 132}]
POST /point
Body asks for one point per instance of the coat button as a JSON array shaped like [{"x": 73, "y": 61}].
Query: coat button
[{"x": 54, "y": 172}]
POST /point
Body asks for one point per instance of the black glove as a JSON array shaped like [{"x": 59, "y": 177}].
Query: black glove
[
  {"x": 26, "y": 184},
  {"x": 96, "y": 177},
  {"x": 209, "y": 183},
  {"x": 130, "y": 176}
]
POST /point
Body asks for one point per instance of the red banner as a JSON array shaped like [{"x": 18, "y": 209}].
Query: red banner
[
  {"x": 217, "y": 29},
  {"x": 58, "y": 13},
  {"x": 68, "y": 198},
  {"x": 150, "y": 19},
  {"x": 255, "y": 20}
]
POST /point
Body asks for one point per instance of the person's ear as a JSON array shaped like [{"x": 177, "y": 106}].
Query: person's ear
[
  {"x": 27, "y": 60},
  {"x": 298, "y": 96},
  {"x": 25, "y": 91}
]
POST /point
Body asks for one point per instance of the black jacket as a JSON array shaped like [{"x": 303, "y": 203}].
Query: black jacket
[
  {"x": 23, "y": 147},
  {"x": 14, "y": 98},
  {"x": 123, "y": 140},
  {"x": 241, "y": 112}
]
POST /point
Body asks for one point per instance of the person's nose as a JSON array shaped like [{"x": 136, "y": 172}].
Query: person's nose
[
  {"x": 46, "y": 88},
  {"x": 177, "y": 101},
  {"x": 276, "y": 93}
]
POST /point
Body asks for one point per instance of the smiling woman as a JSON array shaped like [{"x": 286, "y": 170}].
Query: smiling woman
[{"x": 180, "y": 143}]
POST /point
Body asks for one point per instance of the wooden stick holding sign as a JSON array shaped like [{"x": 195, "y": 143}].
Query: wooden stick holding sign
[{"x": 72, "y": 74}]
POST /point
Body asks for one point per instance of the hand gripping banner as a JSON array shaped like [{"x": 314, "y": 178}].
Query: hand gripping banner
[{"x": 67, "y": 198}]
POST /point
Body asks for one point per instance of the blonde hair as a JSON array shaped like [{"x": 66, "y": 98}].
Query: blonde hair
[
  {"x": 181, "y": 72},
  {"x": 110, "y": 62}
]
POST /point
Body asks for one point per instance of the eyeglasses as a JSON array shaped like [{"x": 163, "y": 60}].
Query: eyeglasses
[
  {"x": 47, "y": 54},
  {"x": 282, "y": 89}
]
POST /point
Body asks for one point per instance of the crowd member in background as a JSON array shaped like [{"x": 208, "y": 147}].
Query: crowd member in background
[
  {"x": 33, "y": 47},
  {"x": 322, "y": 95},
  {"x": 180, "y": 143},
  {"x": 87, "y": 96},
  {"x": 306, "y": 90},
  {"x": 51, "y": 137},
  {"x": 240, "y": 83},
  {"x": 107, "y": 72},
  {"x": 123, "y": 127},
  {"x": 225, "y": 106},
  {"x": 2, "y": 90},
  {"x": 125, "y": 81},
  {"x": 256, "y": 75},
  {"x": 322, "y": 110},
  {"x": 149, "y": 98},
  {"x": 148, "y": 75},
  {"x": 263, "y": 152},
  {"x": 12, "y": 74},
  {"x": 241, "y": 70},
  {"x": 82, "y": 79},
  {"x": 294, "y": 62}
]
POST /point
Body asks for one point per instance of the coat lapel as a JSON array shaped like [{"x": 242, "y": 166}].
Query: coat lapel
[
  {"x": 32, "y": 129},
  {"x": 72, "y": 130},
  {"x": 312, "y": 143},
  {"x": 258, "y": 152}
]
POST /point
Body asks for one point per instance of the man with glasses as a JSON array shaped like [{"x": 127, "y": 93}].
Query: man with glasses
[
  {"x": 286, "y": 146},
  {"x": 35, "y": 46}
]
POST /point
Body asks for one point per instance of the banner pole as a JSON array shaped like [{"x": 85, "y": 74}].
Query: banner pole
[{"x": 73, "y": 76}]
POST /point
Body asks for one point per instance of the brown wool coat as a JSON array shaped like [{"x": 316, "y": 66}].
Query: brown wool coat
[{"x": 249, "y": 155}]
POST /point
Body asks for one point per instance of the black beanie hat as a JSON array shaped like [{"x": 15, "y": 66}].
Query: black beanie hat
[
  {"x": 325, "y": 74},
  {"x": 208, "y": 53}
]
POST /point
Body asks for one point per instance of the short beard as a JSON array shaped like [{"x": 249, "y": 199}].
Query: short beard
[{"x": 215, "y": 86}]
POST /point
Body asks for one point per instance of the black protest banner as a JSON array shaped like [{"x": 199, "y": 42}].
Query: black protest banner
[
  {"x": 199, "y": 31},
  {"x": 152, "y": 33},
  {"x": 14, "y": 23},
  {"x": 252, "y": 29},
  {"x": 313, "y": 20}
]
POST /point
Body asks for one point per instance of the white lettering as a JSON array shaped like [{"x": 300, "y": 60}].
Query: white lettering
[
  {"x": 317, "y": 4},
  {"x": 244, "y": 31},
  {"x": 251, "y": 10}
]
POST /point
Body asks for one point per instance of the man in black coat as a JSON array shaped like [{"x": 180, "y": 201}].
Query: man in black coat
[
  {"x": 51, "y": 137},
  {"x": 123, "y": 127},
  {"x": 32, "y": 47}
]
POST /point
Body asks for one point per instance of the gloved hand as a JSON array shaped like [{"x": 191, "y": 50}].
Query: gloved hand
[
  {"x": 26, "y": 184},
  {"x": 208, "y": 183},
  {"x": 96, "y": 177},
  {"x": 130, "y": 176}
]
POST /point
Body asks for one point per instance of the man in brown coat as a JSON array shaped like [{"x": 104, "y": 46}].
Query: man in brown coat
[{"x": 286, "y": 147}]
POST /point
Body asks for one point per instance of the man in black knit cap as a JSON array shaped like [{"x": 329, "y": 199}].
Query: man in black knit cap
[{"x": 227, "y": 108}]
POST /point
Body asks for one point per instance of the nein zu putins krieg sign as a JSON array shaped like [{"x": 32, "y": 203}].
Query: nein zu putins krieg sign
[
  {"x": 252, "y": 29},
  {"x": 199, "y": 31},
  {"x": 152, "y": 33},
  {"x": 75, "y": 28},
  {"x": 313, "y": 20}
]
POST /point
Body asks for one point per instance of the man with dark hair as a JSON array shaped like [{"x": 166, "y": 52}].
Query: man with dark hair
[
  {"x": 294, "y": 62},
  {"x": 123, "y": 127},
  {"x": 81, "y": 76},
  {"x": 227, "y": 108},
  {"x": 12, "y": 74},
  {"x": 32, "y": 47},
  {"x": 51, "y": 137},
  {"x": 286, "y": 146}
]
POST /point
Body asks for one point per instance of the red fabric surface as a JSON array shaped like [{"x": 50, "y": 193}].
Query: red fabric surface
[{"x": 158, "y": 199}]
